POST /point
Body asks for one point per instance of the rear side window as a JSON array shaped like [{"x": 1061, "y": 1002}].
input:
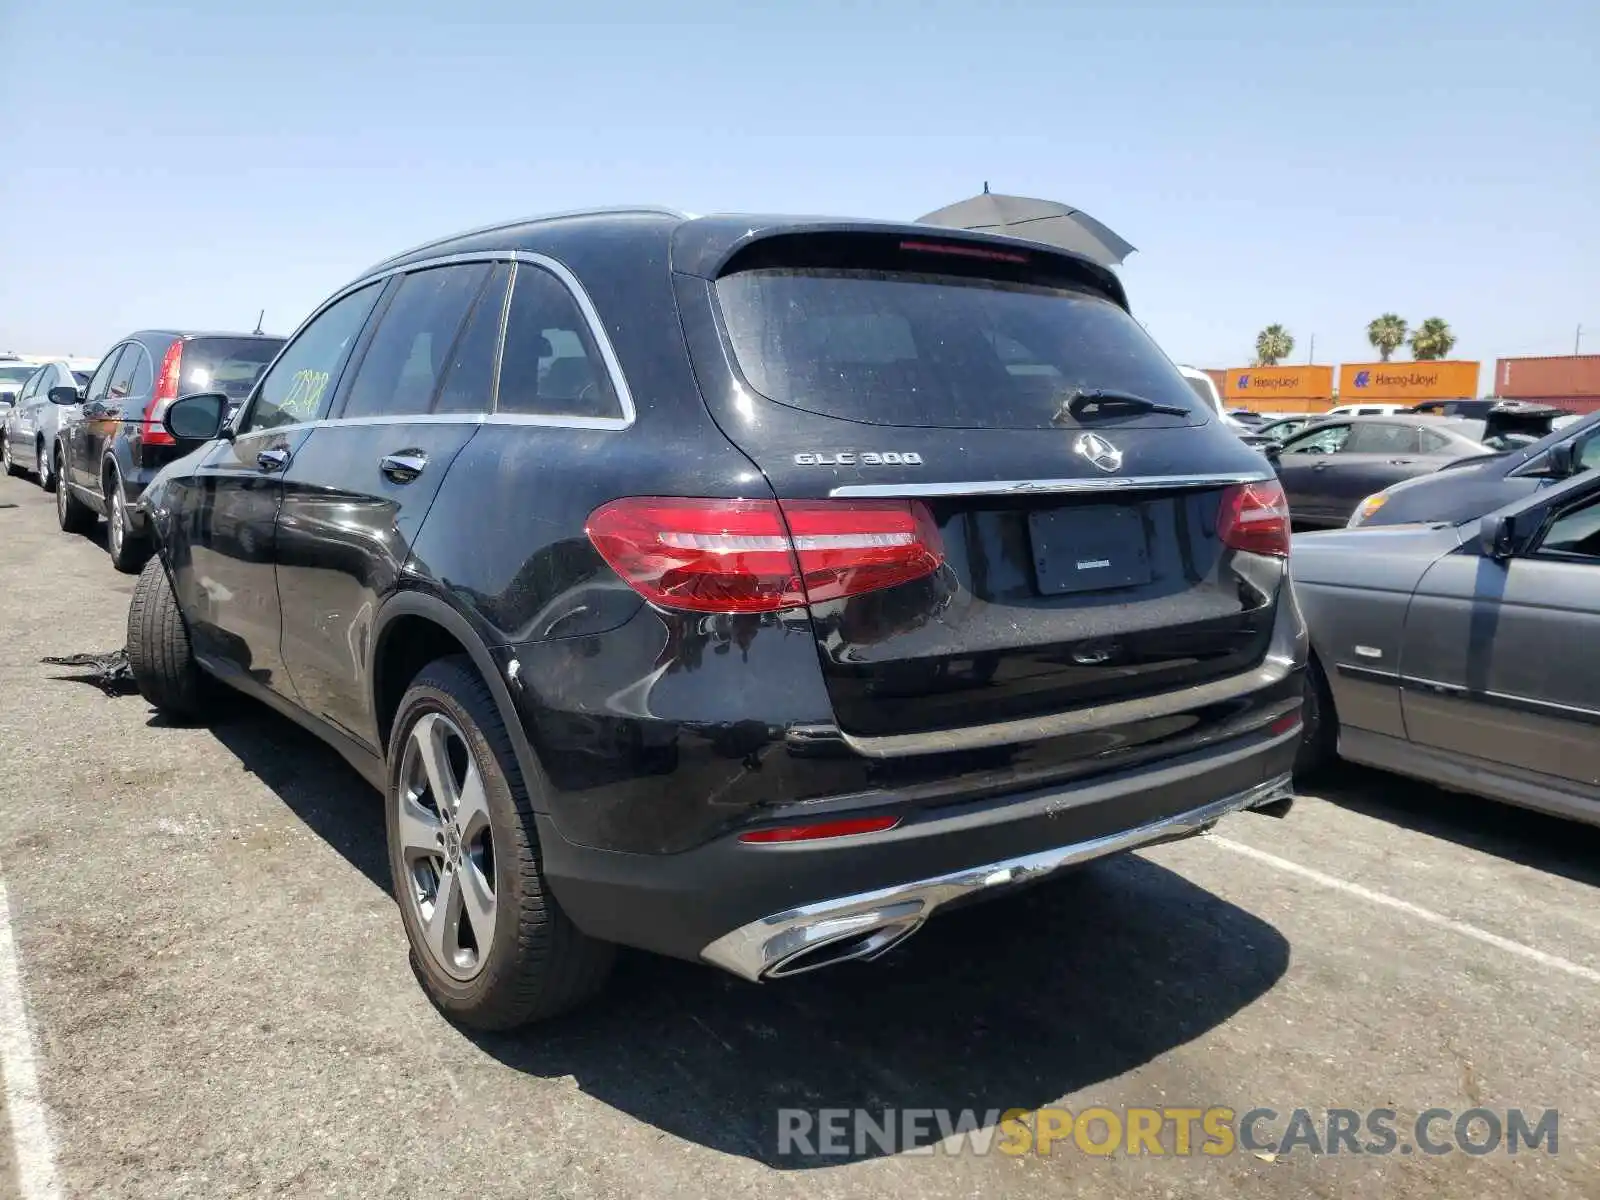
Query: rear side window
[
  {"x": 300, "y": 384},
  {"x": 122, "y": 374},
  {"x": 469, "y": 378},
  {"x": 227, "y": 365},
  {"x": 1382, "y": 439},
  {"x": 143, "y": 378},
  {"x": 549, "y": 364},
  {"x": 900, "y": 348},
  {"x": 416, "y": 334}
]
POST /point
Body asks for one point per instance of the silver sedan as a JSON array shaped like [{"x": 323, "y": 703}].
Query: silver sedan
[{"x": 29, "y": 429}]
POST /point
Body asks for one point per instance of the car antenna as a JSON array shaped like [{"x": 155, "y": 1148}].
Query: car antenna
[{"x": 261, "y": 317}]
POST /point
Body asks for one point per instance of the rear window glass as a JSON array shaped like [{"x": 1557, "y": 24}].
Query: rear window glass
[
  {"x": 227, "y": 365},
  {"x": 18, "y": 375},
  {"x": 895, "y": 348}
]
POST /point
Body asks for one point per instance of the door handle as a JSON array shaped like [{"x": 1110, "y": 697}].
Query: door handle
[
  {"x": 272, "y": 460},
  {"x": 404, "y": 465},
  {"x": 1321, "y": 466}
]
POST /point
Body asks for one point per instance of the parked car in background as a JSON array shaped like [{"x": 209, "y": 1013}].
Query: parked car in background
[
  {"x": 104, "y": 458},
  {"x": 14, "y": 372},
  {"x": 1455, "y": 408},
  {"x": 1201, "y": 384},
  {"x": 736, "y": 588},
  {"x": 1472, "y": 487},
  {"x": 1464, "y": 654},
  {"x": 30, "y": 426},
  {"x": 1330, "y": 467},
  {"x": 1366, "y": 410}
]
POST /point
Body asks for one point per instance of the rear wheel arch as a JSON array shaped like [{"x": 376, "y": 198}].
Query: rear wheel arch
[{"x": 414, "y": 629}]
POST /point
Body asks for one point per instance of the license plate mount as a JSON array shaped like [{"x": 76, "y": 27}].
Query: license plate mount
[{"x": 1094, "y": 548}]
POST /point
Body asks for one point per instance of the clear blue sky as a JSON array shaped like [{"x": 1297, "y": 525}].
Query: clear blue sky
[{"x": 190, "y": 164}]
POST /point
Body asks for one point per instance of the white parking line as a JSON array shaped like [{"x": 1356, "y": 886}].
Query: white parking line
[
  {"x": 1411, "y": 910},
  {"x": 30, "y": 1133}
]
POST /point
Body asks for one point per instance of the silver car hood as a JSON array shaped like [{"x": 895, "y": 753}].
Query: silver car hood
[{"x": 1389, "y": 557}]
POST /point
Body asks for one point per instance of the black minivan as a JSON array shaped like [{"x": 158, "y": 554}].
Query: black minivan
[
  {"x": 744, "y": 589},
  {"x": 107, "y": 452}
]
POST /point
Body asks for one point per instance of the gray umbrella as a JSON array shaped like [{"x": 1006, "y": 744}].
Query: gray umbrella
[{"x": 1037, "y": 220}]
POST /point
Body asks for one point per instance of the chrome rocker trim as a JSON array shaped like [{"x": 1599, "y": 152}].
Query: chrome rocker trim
[{"x": 869, "y": 923}]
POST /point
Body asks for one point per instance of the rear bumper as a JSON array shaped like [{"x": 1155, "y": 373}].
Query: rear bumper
[{"x": 752, "y": 908}]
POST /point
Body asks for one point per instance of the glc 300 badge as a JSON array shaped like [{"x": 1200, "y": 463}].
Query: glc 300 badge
[{"x": 864, "y": 458}]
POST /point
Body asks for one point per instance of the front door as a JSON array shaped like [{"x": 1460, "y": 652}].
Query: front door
[
  {"x": 81, "y": 466},
  {"x": 357, "y": 492},
  {"x": 1502, "y": 658},
  {"x": 223, "y": 555},
  {"x": 1304, "y": 469}
]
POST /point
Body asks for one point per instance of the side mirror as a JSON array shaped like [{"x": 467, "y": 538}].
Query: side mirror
[
  {"x": 1497, "y": 537},
  {"x": 196, "y": 418},
  {"x": 1561, "y": 460},
  {"x": 1273, "y": 450},
  {"x": 62, "y": 394}
]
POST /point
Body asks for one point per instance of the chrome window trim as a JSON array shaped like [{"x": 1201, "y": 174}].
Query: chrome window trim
[
  {"x": 575, "y": 289},
  {"x": 1005, "y": 487}
]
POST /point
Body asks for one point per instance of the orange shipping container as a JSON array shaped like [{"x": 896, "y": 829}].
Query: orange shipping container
[
  {"x": 1576, "y": 375},
  {"x": 1266, "y": 388},
  {"x": 1408, "y": 382}
]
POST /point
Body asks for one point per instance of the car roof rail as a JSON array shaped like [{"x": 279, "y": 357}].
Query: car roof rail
[{"x": 611, "y": 210}]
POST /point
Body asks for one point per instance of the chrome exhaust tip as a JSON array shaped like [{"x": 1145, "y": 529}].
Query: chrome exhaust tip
[{"x": 854, "y": 945}]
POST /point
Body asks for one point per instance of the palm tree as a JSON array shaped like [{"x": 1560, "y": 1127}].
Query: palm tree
[
  {"x": 1387, "y": 334},
  {"x": 1432, "y": 339},
  {"x": 1273, "y": 345}
]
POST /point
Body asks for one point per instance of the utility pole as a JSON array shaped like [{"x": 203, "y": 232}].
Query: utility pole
[
  {"x": 1311, "y": 355},
  {"x": 1576, "y": 339}
]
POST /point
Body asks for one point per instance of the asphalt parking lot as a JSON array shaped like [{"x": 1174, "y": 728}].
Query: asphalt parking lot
[{"x": 218, "y": 1003}]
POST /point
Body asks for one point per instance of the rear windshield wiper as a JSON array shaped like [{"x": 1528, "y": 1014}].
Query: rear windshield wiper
[{"x": 1081, "y": 402}]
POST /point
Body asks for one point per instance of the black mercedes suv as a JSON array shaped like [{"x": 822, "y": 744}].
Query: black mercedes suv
[
  {"x": 744, "y": 589},
  {"x": 109, "y": 450}
]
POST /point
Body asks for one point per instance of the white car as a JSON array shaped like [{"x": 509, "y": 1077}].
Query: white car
[
  {"x": 29, "y": 427},
  {"x": 1206, "y": 389},
  {"x": 1366, "y": 410}
]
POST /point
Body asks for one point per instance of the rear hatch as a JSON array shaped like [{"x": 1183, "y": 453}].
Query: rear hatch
[{"x": 917, "y": 396}]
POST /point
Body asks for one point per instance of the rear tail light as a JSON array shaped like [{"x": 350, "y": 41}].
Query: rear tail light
[
  {"x": 1255, "y": 517},
  {"x": 817, "y": 830},
  {"x": 154, "y": 433},
  {"x": 745, "y": 556}
]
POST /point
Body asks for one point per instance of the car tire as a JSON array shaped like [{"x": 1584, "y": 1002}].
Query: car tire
[
  {"x": 72, "y": 514},
  {"x": 537, "y": 963},
  {"x": 46, "y": 477},
  {"x": 1319, "y": 724},
  {"x": 159, "y": 651},
  {"x": 5, "y": 457},
  {"x": 129, "y": 550}
]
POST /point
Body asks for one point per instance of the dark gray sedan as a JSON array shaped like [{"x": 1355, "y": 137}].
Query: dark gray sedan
[
  {"x": 1467, "y": 655},
  {"x": 1332, "y": 466}
]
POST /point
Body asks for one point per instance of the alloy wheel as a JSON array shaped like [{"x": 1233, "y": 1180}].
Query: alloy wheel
[
  {"x": 42, "y": 466},
  {"x": 116, "y": 532},
  {"x": 446, "y": 846},
  {"x": 5, "y": 454},
  {"x": 61, "y": 501}
]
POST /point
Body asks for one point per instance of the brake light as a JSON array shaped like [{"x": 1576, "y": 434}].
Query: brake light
[
  {"x": 1255, "y": 517},
  {"x": 963, "y": 251},
  {"x": 849, "y": 827},
  {"x": 153, "y": 432},
  {"x": 745, "y": 556}
]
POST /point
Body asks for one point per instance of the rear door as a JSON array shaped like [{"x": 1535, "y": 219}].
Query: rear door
[
  {"x": 81, "y": 469},
  {"x": 358, "y": 489},
  {"x": 222, "y": 550},
  {"x": 921, "y": 396},
  {"x": 1502, "y": 659}
]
